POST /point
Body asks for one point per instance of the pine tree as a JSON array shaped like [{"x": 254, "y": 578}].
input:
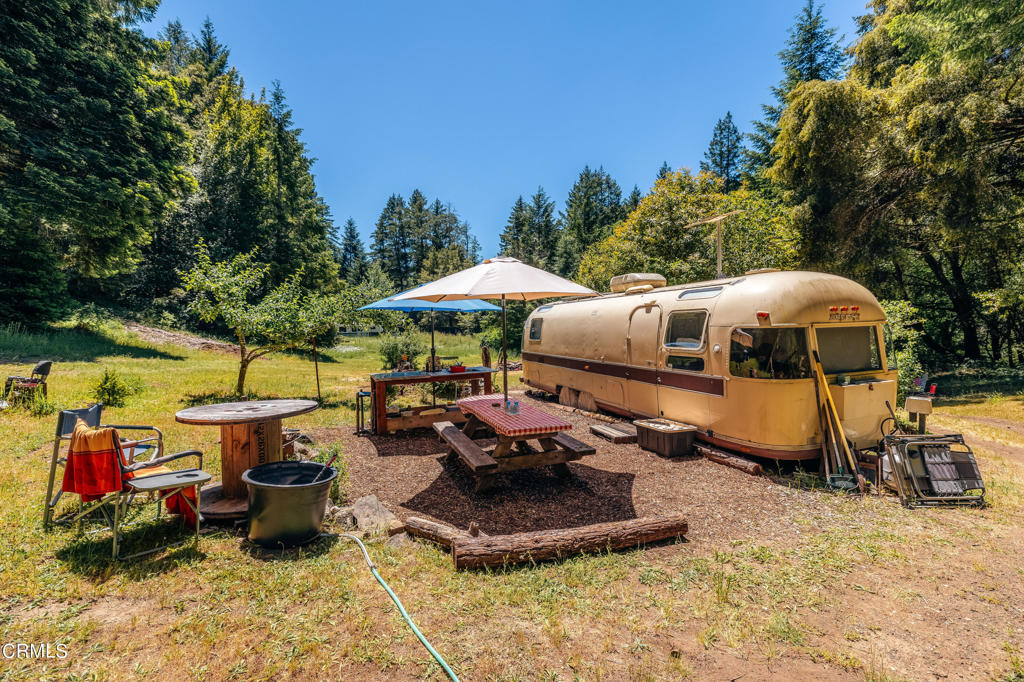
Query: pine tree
[
  {"x": 812, "y": 52},
  {"x": 417, "y": 221},
  {"x": 633, "y": 200},
  {"x": 723, "y": 155},
  {"x": 544, "y": 230},
  {"x": 593, "y": 206},
  {"x": 351, "y": 255},
  {"x": 390, "y": 245},
  {"x": 90, "y": 146},
  {"x": 178, "y": 47},
  {"x": 210, "y": 52},
  {"x": 664, "y": 170},
  {"x": 515, "y": 238}
]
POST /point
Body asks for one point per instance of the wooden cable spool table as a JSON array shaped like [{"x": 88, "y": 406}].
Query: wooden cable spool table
[{"x": 250, "y": 434}]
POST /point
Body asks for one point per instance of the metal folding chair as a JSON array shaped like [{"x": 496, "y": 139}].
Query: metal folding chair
[
  {"x": 92, "y": 416},
  {"x": 162, "y": 483}
]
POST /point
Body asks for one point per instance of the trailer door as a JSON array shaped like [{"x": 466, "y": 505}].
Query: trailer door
[{"x": 642, "y": 344}]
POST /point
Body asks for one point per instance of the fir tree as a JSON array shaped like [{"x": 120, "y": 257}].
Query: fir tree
[
  {"x": 812, "y": 52},
  {"x": 664, "y": 170},
  {"x": 417, "y": 221},
  {"x": 211, "y": 54},
  {"x": 544, "y": 230},
  {"x": 633, "y": 200},
  {"x": 390, "y": 246},
  {"x": 90, "y": 146},
  {"x": 593, "y": 206},
  {"x": 723, "y": 155},
  {"x": 515, "y": 238},
  {"x": 351, "y": 254}
]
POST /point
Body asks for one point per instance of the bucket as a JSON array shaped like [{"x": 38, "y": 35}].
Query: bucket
[{"x": 286, "y": 508}]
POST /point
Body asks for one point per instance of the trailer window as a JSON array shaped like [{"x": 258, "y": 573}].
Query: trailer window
[
  {"x": 687, "y": 363},
  {"x": 769, "y": 353},
  {"x": 535, "y": 327},
  {"x": 686, "y": 330},
  {"x": 849, "y": 349}
]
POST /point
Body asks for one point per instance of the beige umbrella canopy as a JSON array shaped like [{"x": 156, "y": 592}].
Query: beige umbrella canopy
[{"x": 504, "y": 278}]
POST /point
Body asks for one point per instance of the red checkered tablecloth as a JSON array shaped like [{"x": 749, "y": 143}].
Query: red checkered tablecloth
[{"x": 530, "y": 420}]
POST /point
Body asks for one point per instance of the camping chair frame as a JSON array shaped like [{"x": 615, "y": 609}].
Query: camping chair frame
[
  {"x": 908, "y": 487},
  {"x": 91, "y": 416}
]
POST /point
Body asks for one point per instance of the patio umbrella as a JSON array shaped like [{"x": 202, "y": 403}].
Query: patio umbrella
[
  {"x": 416, "y": 305},
  {"x": 504, "y": 278}
]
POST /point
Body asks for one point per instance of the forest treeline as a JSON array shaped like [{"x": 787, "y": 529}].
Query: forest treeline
[{"x": 892, "y": 157}]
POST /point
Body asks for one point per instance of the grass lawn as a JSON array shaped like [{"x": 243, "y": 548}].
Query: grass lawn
[{"x": 830, "y": 587}]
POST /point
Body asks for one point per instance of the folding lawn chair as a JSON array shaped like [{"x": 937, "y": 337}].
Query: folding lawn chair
[
  {"x": 19, "y": 388},
  {"x": 91, "y": 416},
  {"x": 107, "y": 473}
]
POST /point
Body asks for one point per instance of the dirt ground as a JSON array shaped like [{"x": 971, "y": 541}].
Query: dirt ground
[
  {"x": 935, "y": 595},
  {"x": 167, "y": 337}
]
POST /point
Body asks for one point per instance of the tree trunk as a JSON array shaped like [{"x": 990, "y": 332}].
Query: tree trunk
[
  {"x": 243, "y": 367},
  {"x": 499, "y": 550}
]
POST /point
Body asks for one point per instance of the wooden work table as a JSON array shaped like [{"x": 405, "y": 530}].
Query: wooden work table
[{"x": 383, "y": 424}]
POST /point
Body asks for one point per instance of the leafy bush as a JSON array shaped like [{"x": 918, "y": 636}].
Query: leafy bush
[
  {"x": 113, "y": 390},
  {"x": 394, "y": 346},
  {"x": 92, "y": 318},
  {"x": 902, "y": 343}
]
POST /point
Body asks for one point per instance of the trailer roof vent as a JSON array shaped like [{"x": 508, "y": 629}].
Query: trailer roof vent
[
  {"x": 759, "y": 271},
  {"x": 638, "y": 289},
  {"x": 620, "y": 283}
]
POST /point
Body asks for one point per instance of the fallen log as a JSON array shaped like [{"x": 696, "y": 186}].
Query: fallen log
[
  {"x": 498, "y": 550},
  {"x": 730, "y": 460},
  {"x": 440, "y": 533}
]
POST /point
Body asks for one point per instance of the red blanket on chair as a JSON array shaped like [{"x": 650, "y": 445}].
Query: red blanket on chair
[{"x": 92, "y": 469}]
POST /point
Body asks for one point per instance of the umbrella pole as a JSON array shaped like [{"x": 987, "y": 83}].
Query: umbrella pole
[
  {"x": 433, "y": 352},
  {"x": 504, "y": 349}
]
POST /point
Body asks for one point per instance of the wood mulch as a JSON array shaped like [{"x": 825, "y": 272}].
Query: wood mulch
[{"x": 407, "y": 472}]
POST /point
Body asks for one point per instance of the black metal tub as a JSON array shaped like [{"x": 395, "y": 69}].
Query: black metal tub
[{"x": 286, "y": 508}]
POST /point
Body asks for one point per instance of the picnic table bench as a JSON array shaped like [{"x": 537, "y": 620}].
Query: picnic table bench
[{"x": 514, "y": 432}]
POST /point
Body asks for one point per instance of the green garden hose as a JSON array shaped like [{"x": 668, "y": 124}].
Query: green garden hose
[{"x": 401, "y": 609}]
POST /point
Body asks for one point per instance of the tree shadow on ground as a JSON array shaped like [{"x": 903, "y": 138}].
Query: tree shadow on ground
[
  {"x": 73, "y": 345},
  {"x": 527, "y": 500}
]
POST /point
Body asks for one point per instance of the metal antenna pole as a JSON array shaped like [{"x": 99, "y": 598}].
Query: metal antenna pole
[
  {"x": 717, "y": 220},
  {"x": 718, "y": 230}
]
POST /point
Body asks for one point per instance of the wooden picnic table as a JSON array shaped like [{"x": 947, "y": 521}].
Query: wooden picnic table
[
  {"x": 514, "y": 433},
  {"x": 384, "y": 423},
  {"x": 250, "y": 434}
]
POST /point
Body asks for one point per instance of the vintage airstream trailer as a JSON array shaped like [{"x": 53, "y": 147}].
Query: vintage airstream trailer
[{"x": 732, "y": 356}]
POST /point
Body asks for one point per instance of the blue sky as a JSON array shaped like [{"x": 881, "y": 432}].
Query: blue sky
[{"x": 477, "y": 103}]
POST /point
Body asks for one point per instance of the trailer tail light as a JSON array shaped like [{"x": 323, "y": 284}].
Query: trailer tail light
[
  {"x": 844, "y": 308},
  {"x": 854, "y": 308},
  {"x": 833, "y": 309}
]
